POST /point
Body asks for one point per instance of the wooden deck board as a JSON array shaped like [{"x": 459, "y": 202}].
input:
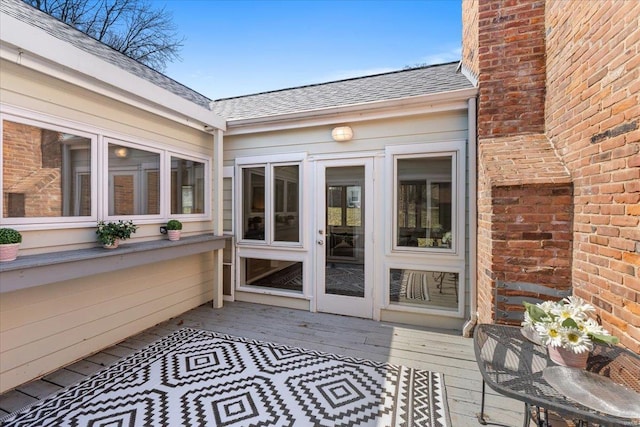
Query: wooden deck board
[{"x": 421, "y": 348}]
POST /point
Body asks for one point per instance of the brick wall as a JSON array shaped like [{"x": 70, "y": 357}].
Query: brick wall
[
  {"x": 577, "y": 67},
  {"x": 511, "y": 61},
  {"x": 470, "y": 36},
  {"x": 593, "y": 120}
]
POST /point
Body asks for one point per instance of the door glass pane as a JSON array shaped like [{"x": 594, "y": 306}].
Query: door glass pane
[
  {"x": 287, "y": 225},
  {"x": 134, "y": 184},
  {"x": 424, "y": 202},
  {"x": 420, "y": 288},
  {"x": 345, "y": 198},
  {"x": 253, "y": 203},
  {"x": 46, "y": 173}
]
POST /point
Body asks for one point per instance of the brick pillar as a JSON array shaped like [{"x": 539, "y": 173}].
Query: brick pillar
[
  {"x": 511, "y": 57},
  {"x": 524, "y": 189}
]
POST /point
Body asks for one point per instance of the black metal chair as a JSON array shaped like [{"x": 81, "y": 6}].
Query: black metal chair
[{"x": 508, "y": 308}]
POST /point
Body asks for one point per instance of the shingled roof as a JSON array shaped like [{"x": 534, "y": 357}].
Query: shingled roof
[
  {"x": 32, "y": 16},
  {"x": 380, "y": 87}
]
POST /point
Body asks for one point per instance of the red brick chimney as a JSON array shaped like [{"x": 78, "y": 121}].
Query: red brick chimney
[{"x": 524, "y": 189}]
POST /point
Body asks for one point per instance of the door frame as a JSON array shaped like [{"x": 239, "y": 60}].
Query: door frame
[{"x": 339, "y": 304}]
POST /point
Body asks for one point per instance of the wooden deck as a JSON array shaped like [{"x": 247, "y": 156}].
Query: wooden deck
[{"x": 434, "y": 350}]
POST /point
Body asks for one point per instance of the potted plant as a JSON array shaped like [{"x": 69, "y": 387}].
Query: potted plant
[
  {"x": 566, "y": 329},
  {"x": 10, "y": 240},
  {"x": 173, "y": 229},
  {"x": 111, "y": 233}
]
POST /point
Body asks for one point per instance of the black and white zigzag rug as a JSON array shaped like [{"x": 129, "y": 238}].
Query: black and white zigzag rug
[{"x": 201, "y": 378}]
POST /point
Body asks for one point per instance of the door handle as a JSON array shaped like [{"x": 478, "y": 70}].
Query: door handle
[{"x": 321, "y": 242}]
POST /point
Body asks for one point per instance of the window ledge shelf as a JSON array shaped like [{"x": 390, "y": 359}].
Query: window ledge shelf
[{"x": 36, "y": 270}]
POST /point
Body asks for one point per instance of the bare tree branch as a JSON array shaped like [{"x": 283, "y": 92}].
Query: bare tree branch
[{"x": 133, "y": 27}]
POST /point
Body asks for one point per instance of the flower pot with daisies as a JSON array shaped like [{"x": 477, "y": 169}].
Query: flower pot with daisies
[{"x": 566, "y": 329}]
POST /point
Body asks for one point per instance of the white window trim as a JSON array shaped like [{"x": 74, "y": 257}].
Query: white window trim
[
  {"x": 65, "y": 127},
  {"x": 206, "y": 215},
  {"x": 268, "y": 162},
  {"x": 244, "y": 253},
  {"x": 458, "y": 312},
  {"x": 100, "y": 137},
  {"x": 457, "y": 150}
]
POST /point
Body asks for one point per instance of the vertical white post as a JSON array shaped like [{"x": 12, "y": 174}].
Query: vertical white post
[{"x": 216, "y": 208}]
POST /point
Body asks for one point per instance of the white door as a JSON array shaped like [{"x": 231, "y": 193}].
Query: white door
[{"x": 344, "y": 249}]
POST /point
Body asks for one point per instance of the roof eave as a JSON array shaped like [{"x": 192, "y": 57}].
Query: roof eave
[
  {"x": 413, "y": 105},
  {"x": 34, "y": 48}
]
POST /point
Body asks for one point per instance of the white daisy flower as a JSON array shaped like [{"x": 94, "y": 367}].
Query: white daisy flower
[{"x": 576, "y": 340}]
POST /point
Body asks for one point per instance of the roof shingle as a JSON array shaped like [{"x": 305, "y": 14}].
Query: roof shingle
[{"x": 380, "y": 87}]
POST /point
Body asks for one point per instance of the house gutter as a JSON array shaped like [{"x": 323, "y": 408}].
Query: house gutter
[
  {"x": 467, "y": 329},
  {"x": 34, "y": 48},
  {"x": 421, "y": 104}
]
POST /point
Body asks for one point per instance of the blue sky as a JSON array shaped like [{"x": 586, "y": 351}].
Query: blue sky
[{"x": 235, "y": 48}]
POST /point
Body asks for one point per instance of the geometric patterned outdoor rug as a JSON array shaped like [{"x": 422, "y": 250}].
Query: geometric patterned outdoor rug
[{"x": 201, "y": 378}]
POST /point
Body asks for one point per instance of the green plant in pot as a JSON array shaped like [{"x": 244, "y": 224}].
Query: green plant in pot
[
  {"x": 111, "y": 233},
  {"x": 10, "y": 240},
  {"x": 174, "y": 228}
]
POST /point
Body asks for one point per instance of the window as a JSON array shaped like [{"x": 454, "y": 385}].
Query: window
[
  {"x": 46, "y": 171},
  {"x": 134, "y": 181},
  {"x": 424, "y": 216},
  {"x": 273, "y": 274},
  {"x": 287, "y": 227},
  {"x": 424, "y": 289},
  {"x": 271, "y": 203},
  {"x": 187, "y": 186},
  {"x": 50, "y": 174}
]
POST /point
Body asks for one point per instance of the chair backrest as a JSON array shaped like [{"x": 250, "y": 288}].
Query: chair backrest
[{"x": 510, "y": 295}]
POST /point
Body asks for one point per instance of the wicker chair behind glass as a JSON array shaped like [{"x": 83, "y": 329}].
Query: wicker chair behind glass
[{"x": 508, "y": 309}]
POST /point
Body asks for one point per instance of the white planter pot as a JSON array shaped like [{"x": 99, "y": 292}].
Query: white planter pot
[
  {"x": 173, "y": 235},
  {"x": 114, "y": 245},
  {"x": 9, "y": 252}
]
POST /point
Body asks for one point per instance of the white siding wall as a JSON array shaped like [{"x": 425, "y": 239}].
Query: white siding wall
[
  {"x": 369, "y": 137},
  {"x": 49, "y": 326},
  {"x": 46, "y": 327}
]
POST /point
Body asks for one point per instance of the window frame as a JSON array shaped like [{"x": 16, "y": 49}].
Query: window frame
[
  {"x": 457, "y": 151},
  {"x": 166, "y": 180},
  {"x": 457, "y": 312},
  {"x": 61, "y": 126},
  {"x": 100, "y": 139},
  {"x": 268, "y": 163}
]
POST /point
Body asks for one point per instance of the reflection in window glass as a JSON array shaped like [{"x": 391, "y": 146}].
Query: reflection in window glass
[
  {"x": 253, "y": 203},
  {"x": 46, "y": 173},
  {"x": 134, "y": 181},
  {"x": 273, "y": 274},
  {"x": 418, "y": 288},
  {"x": 424, "y": 202},
  {"x": 287, "y": 226},
  {"x": 187, "y": 186},
  {"x": 344, "y": 205}
]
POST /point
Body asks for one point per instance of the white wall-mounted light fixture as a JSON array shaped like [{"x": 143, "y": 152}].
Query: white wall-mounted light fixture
[
  {"x": 342, "y": 133},
  {"x": 121, "y": 152}
]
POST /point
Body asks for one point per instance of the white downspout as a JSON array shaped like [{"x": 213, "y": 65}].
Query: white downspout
[
  {"x": 473, "y": 220},
  {"x": 217, "y": 211}
]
